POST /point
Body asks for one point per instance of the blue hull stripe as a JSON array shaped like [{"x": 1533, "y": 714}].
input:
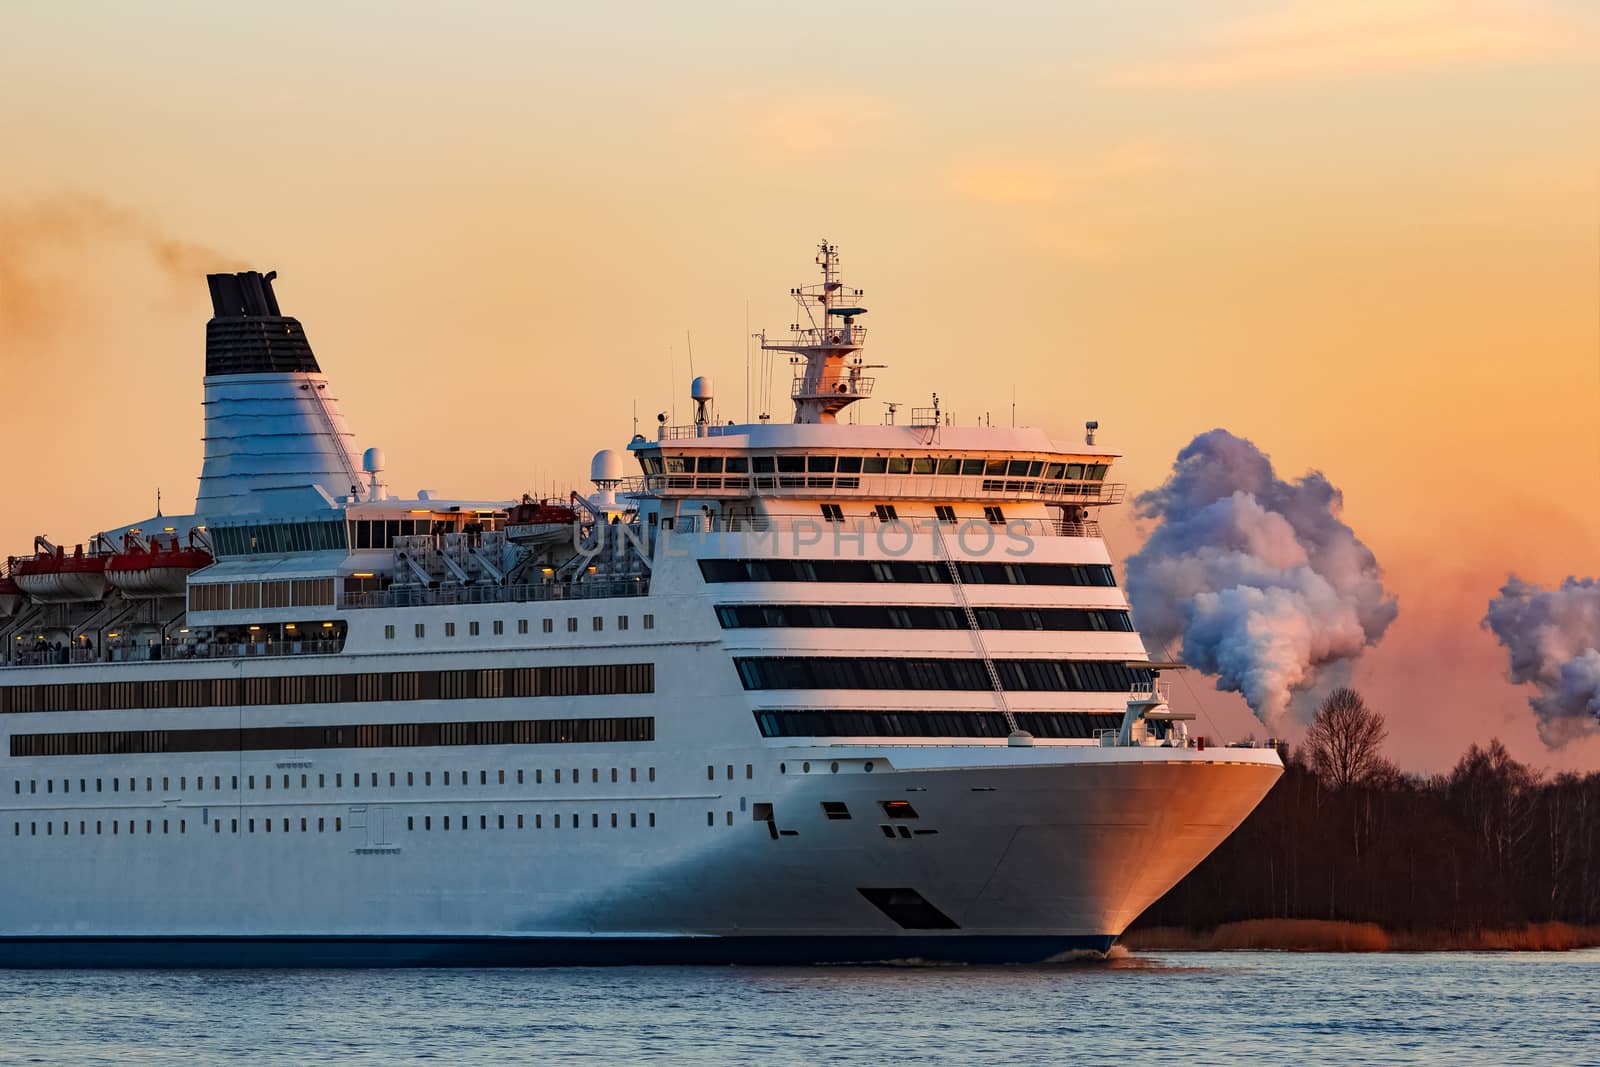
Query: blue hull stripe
[{"x": 306, "y": 952}]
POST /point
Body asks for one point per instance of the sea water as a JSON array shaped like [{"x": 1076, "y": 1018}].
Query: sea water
[{"x": 1223, "y": 1008}]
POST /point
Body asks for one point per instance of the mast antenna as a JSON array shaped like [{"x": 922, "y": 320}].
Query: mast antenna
[{"x": 825, "y": 345}]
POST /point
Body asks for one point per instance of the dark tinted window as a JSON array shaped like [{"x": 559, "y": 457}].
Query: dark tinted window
[
  {"x": 850, "y": 570},
  {"x": 918, "y": 617},
  {"x": 1020, "y": 675},
  {"x": 1051, "y": 725}
]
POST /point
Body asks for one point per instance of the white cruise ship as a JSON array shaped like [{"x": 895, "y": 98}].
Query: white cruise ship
[{"x": 804, "y": 691}]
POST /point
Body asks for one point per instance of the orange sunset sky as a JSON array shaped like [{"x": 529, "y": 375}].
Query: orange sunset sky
[{"x": 1364, "y": 234}]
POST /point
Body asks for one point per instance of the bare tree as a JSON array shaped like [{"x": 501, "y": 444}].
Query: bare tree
[{"x": 1344, "y": 744}]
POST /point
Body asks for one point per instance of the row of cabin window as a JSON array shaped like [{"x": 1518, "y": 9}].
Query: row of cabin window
[
  {"x": 302, "y": 738},
  {"x": 465, "y": 778},
  {"x": 908, "y": 571},
  {"x": 584, "y": 680},
  {"x": 536, "y": 821},
  {"x": 917, "y": 617},
  {"x": 166, "y": 826},
  {"x": 498, "y": 627},
  {"x": 967, "y": 675},
  {"x": 810, "y": 464},
  {"x": 461, "y": 822},
  {"x": 944, "y": 513}
]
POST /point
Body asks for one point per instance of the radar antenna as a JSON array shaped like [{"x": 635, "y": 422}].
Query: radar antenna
[{"x": 826, "y": 345}]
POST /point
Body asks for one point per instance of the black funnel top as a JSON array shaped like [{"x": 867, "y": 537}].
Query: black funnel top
[{"x": 248, "y": 334}]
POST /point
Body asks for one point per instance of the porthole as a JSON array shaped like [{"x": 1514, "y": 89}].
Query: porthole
[
  {"x": 783, "y": 768},
  {"x": 869, "y": 767},
  {"x": 834, "y": 767},
  {"x": 806, "y": 767}
]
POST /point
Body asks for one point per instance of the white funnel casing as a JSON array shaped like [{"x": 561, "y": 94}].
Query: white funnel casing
[{"x": 271, "y": 421}]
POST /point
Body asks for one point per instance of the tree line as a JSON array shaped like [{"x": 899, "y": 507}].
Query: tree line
[{"x": 1493, "y": 844}]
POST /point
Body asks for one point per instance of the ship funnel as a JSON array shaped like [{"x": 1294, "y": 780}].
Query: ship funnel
[{"x": 274, "y": 437}]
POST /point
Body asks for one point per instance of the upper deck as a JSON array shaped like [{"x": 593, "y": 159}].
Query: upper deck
[{"x": 886, "y": 463}]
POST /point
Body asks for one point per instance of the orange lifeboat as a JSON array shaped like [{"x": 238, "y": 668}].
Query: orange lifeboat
[
  {"x": 141, "y": 573},
  {"x": 531, "y": 512},
  {"x": 53, "y": 577},
  {"x": 534, "y": 521}
]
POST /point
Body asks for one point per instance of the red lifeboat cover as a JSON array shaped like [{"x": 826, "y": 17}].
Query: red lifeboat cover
[
  {"x": 540, "y": 513},
  {"x": 189, "y": 559},
  {"x": 60, "y": 563}
]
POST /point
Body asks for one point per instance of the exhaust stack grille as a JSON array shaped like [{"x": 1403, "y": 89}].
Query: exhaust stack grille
[{"x": 248, "y": 333}]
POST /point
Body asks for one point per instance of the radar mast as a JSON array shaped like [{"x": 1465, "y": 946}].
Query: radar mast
[{"x": 826, "y": 344}]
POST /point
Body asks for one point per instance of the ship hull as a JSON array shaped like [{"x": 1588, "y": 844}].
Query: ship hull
[
  {"x": 318, "y": 952},
  {"x": 1002, "y": 855}
]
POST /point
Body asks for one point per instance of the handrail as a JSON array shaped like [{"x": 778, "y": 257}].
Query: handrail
[
  {"x": 853, "y": 524},
  {"x": 960, "y": 588},
  {"x": 878, "y": 487},
  {"x": 137, "y": 653},
  {"x": 410, "y": 596}
]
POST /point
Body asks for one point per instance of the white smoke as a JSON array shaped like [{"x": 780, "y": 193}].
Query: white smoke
[
  {"x": 1553, "y": 638},
  {"x": 1260, "y": 579}
]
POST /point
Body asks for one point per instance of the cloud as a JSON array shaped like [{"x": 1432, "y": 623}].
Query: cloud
[
  {"x": 1046, "y": 181},
  {"x": 1329, "y": 39},
  {"x": 786, "y": 129}
]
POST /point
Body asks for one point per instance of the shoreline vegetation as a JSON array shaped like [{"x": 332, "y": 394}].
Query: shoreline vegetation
[
  {"x": 1323, "y": 935},
  {"x": 1348, "y": 854}
]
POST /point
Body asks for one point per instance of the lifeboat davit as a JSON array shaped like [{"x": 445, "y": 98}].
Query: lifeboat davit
[
  {"x": 57, "y": 578},
  {"x": 141, "y": 573},
  {"x": 11, "y": 597}
]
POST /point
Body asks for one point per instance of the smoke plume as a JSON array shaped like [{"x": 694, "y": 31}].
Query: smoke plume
[
  {"x": 1553, "y": 638},
  {"x": 53, "y": 250},
  {"x": 1260, "y": 578}
]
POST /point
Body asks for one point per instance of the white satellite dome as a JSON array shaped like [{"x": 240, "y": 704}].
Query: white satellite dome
[{"x": 606, "y": 466}]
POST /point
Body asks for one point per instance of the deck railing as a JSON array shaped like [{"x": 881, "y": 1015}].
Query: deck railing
[
  {"x": 878, "y": 487},
  {"x": 408, "y": 596},
  {"x": 176, "y": 650}
]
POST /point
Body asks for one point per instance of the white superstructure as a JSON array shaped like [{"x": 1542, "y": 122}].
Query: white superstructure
[{"x": 805, "y": 691}]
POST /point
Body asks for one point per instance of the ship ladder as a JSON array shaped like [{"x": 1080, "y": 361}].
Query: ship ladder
[{"x": 977, "y": 631}]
